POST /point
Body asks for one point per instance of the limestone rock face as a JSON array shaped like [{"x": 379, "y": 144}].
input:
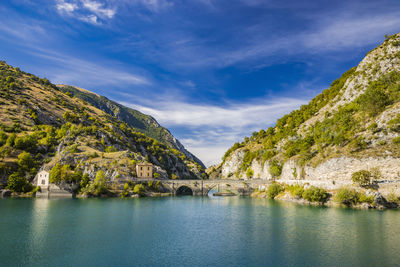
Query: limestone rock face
[
  {"x": 232, "y": 164},
  {"x": 291, "y": 170},
  {"x": 261, "y": 171},
  {"x": 372, "y": 144}
]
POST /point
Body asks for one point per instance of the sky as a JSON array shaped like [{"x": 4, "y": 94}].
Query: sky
[{"x": 211, "y": 71}]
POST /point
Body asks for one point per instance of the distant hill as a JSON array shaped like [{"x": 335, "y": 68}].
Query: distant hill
[
  {"x": 42, "y": 125},
  {"x": 135, "y": 119},
  {"x": 351, "y": 126}
]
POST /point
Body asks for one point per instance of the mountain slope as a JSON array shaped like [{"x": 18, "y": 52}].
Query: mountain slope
[
  {"x": 354, "y": 125},
  {"x": 135, "y": 119},
  {"x": 40, "y": 126}
]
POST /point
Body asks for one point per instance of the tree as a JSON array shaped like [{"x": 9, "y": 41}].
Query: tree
[
  {"x": 25, "y": 161},
  {"x": 55, "y": 173},
  {"x": 274, "y": 189},
  {"x": 18, "y": 183},
  {"x": 363, "y": 178},
  {"x": 139, "y": 189},
  {"x": 3, "y": 138},
  {"x": 275, "y": 168},
  {"x": 100, "y": 177},
  {"x": 5, "y": 151},
  {"x": 11, "y": 139},
  {"x": 374, "y": 100},
  {"x": 84, "y": 181}
]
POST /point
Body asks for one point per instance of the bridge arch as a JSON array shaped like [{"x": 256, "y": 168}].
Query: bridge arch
[{"x": 184, "y": 190}]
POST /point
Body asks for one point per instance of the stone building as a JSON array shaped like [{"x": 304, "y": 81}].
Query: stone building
[
  {"x": 43, "y": 178},
  {"x": 144, "y": 170}
]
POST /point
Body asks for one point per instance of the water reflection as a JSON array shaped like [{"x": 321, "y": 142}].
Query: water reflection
[
  {"x": 38, "y": 228},
  {"x": 193, "y": 231}
]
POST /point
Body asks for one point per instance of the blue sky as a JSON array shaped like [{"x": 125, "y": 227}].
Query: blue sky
[{"x": 211, "y": 71}]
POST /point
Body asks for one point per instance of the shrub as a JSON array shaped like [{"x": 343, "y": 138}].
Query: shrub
[
  {"x": 74, "y": 148},
  {"x": 275, "y": 168},
  {"x": 156, "y": 175},
  {"x": 110, "y": 149},
  {"x": 296, "y": 190},
  {"x": 3, "y": 138},
  {"x": 396, "y": 140},
  {"x": 249, "y": 173},
  {"x": 11, "y": 140},
  {"x": 98, "y": 186},
  {"x": 347, "y": 196},
  {"x": 372, "y": 126},
  {"x": 363, "y": 178},
  {"x": 18, "y": 183},
  {"x": 84, "y": 181},
  {"x": 274, "y": 189},
  {"x": 315, "y": 194},
  {"x": 139, "y": 189},
  {"x": 125, "y": 192},
  {"x": 363, "y": 198},
  {"x": 374, "y": 100}
]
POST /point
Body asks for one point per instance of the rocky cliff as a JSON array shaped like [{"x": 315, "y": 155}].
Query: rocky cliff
[{"x": 353, "y": 125}]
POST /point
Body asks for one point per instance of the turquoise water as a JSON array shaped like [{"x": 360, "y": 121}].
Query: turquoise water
[{"x": 193, "y": 231}]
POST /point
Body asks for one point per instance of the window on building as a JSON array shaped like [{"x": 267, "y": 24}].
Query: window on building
[
  {"x": 141, "y": 168},
  {"x": 43, "y": 181}
]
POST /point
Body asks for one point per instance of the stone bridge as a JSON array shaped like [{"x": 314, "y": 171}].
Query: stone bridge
[{"x": 203, "y": 187}]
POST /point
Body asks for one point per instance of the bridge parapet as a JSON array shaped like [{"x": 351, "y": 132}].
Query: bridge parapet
[{"x": 203, "y": 187}]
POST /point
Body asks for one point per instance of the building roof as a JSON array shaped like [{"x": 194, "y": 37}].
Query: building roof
[{"x": 144, "y": 164}]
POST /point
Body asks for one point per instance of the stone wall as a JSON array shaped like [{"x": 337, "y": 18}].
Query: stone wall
[{"x": 335, "y": 169}]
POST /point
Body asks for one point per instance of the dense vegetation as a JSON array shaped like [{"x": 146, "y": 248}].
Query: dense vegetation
[
  {"x": 40, "y": 124},
  {"x": 133, "y": 118}
]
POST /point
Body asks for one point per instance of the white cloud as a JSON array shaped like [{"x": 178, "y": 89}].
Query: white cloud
[
  {"x": 90, "y": 18},
  {"x": 211, "y": 129},
  {"x": 63, "y": 6},
  {"x": 89, "y": 11},
  {"x": 235, "y": 115},
  {"x": 98, "y": 9}
]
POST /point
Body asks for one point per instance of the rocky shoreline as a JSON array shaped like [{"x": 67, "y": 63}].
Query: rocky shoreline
[{"x": 374, "y": 199}]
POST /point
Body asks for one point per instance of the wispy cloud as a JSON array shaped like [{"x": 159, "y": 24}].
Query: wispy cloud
[
  {"x": 85, "y": 10},
  {"x": 98, "y": 9},
  {"x": 155, "y": 5},
  {"x": 215, "y": 127},
  {"x": 77, "y": 71},
  {"x": 66, "y": 7},
  {"x": 252, "y": 44},
  {"x": 21, "y": 30}
]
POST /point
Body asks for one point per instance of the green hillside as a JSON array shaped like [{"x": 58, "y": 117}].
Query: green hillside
[
  {"x": 357, "y": 116},
  {"x": 135, "y": 119},
  {"x": 42, "y": 126}
]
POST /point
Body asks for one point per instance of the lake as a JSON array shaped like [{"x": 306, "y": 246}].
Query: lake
[{"x": 193, "y": 231}]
